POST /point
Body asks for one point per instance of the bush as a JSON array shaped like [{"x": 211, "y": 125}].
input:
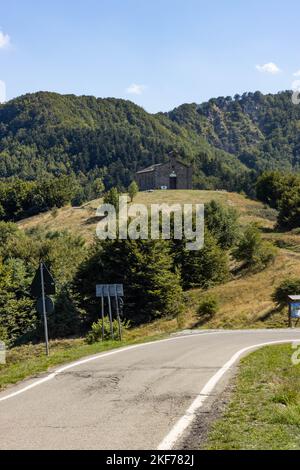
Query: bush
[
  {"x": 54, "y": 212},
  {"x": 209, "y": 306},
  {"x": 290, "y": 286},
  {"x": 253, "y": 250},
  {"x": 95, "y": 334}
]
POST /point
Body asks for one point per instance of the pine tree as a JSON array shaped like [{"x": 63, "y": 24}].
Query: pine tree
[
  {"x": 151, "y": 287},
  {"x": 203, "y": 268}
]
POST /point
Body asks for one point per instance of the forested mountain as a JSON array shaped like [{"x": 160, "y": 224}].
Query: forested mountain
[
  {"x": 228, "y": 140},
  {"x": 47, "y": 133},
  {"x": 262, "y": 131}
]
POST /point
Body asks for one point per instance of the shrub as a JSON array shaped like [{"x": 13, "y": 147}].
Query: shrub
[
  {"x": 253, "y": 250},
  {"x": 290, "y": 286},
  {"x": 95, "y": 334},
  {"x": 54, "y": 212},
  {"x": 209, "y": 306}
]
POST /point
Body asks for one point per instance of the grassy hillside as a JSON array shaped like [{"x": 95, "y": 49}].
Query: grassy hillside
[
  {"x": 245, "y": 301},
  {"x": 82, "y": 220}
]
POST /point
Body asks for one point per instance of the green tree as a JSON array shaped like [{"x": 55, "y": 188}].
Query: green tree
[
  {"x": 289, "y": 209},
  {"x": 112, "y": 197},
  {"x": 133, "y": 189},
  {"x": 145, "y": 267},
  {"x": 222, "y": 222},
  {"x": 270, "y": 187},
  {"x": 17, "y": 314},
  {"x": 98, "y": 187},
  {"x": 203, "y": 268}
]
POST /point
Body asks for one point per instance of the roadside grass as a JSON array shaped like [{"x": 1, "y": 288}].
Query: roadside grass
[
  {"x": 263, "y": 412},
  {"x": 30, "y": 360}
]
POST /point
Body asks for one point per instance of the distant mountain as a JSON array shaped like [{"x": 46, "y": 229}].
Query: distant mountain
[{"x": 47, "y": 133}]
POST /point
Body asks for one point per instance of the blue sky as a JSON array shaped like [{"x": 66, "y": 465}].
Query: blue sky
[{"x": 157, "y": 53}]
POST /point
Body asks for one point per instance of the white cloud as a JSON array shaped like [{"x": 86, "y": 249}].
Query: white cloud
[
  {"x": 135, "y": 89},
  {"x": 4, "y": 40},
  {"x": 270, "y": 67},
  {"x": 297, "y": 74},
  {"x": 2, "y": 92}
]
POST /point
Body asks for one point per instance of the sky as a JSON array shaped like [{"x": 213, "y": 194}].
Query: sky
[{"x": 156, "y": 53}]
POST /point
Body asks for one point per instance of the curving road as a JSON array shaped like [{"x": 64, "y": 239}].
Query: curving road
[{"x": 140, "y": 397}]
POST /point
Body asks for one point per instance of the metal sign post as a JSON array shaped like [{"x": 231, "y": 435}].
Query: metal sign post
[
  {"x": 110, "y": 317},
  {"x": 44, "y": 309},
  {"x": 102, "y": 315},
  {"x": 118, "y": 313},
  {"x": 117, "y": 292}
]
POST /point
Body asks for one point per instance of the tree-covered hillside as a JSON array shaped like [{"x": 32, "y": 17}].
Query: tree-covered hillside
[
  {"x": 228, "y": 140},
  {"x": 47, "y": 133},
  {"x": 262, "y": 131}
]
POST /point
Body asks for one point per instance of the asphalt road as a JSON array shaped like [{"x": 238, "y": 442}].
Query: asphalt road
[{"x": 135, "y": 398}]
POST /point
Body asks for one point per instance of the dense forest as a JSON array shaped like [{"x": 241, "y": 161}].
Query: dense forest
[
  {"x": 262, "y": 131},
  {"x": 47, "y": 133}
]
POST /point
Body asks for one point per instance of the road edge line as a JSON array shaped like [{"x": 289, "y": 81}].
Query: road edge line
[
  {"x": 184, "y": 422},
  {"x": 62, "y": 369}
]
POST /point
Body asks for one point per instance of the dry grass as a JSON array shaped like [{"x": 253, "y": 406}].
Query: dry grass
[
  {"x": 246, "y": 301},
  {"x": 287, "y": 240},
  {"x": 82, "y": 220}
]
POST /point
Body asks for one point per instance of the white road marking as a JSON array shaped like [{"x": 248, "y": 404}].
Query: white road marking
[
  {"x": 181, "y": 425},
  {"x": 119, "y": 350},
  {"x": 94, "y": 358}
]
